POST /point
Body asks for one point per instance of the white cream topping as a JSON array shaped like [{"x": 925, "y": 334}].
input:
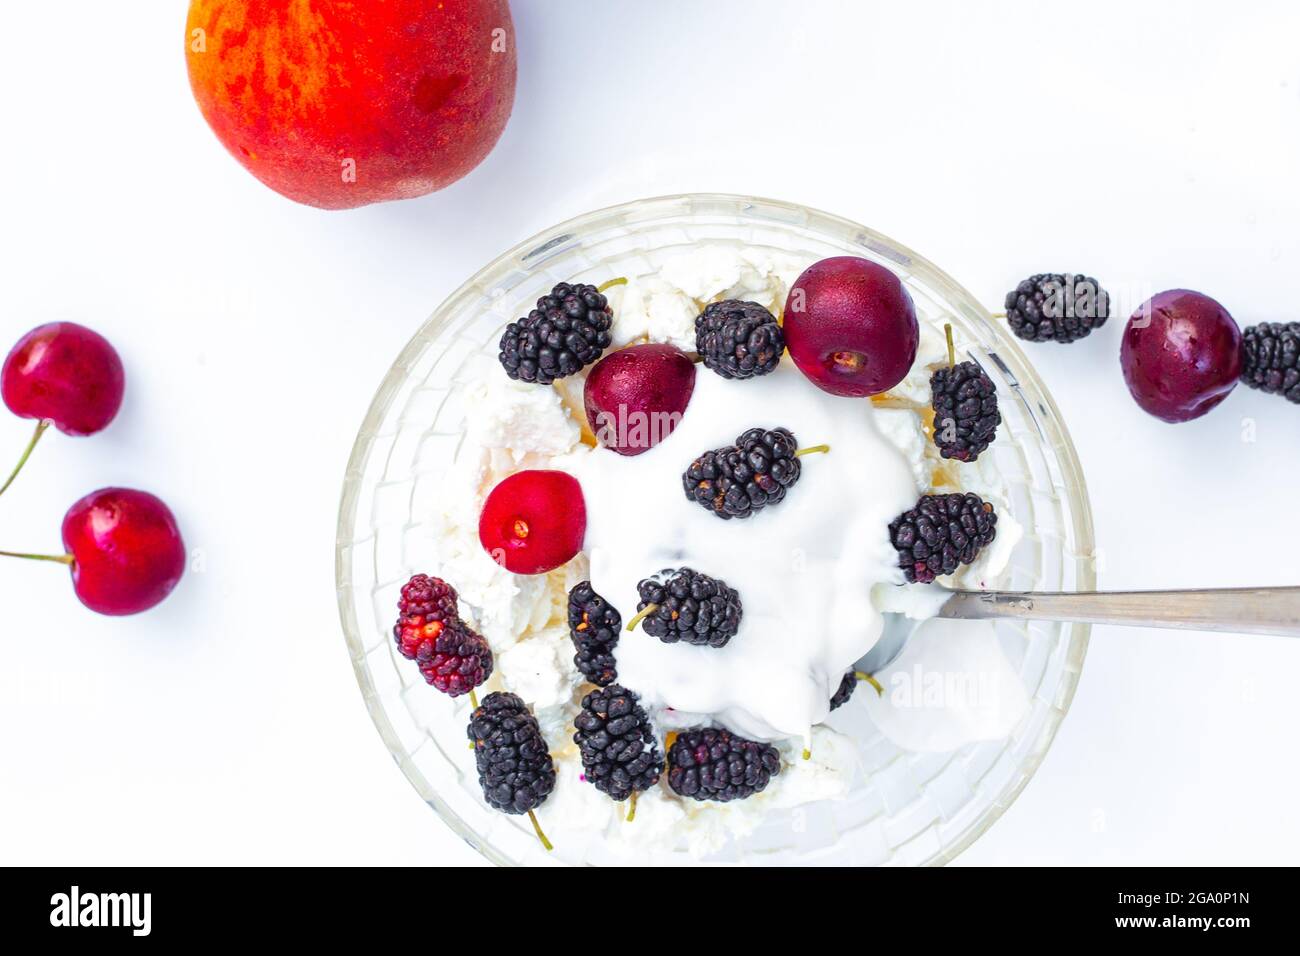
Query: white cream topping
[{"x": 804, "y": 567}]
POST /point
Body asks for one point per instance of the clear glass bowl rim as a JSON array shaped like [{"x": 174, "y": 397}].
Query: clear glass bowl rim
[{"x": 1072, "y": 476}]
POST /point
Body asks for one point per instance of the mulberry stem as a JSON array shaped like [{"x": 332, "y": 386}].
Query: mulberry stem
[
  {"x": 610, "y": 283},
  {"x": 870, "y": 679},
  {"x": 812, "y": 450},
  {"x": 807, "y": 754},
  {"x": 473, "y": 699},
  {"x": 648, "y": 609},
  {"x": 631, "y": 807},
  {"x": 41, "y": 426},
  {"x": 952, "y": 350},
  {"x": 537, "y": 828}
]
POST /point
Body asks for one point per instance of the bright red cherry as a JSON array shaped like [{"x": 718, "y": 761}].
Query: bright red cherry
[
  {"x": 65, "y": 373},
  {"x": 850, "y": 326},
  {"x": 127, "y": 553},
  {"x": 635, "y": 397},
  {"x": 1181, "y": 355},
  {"x": 534, "y": 521}
]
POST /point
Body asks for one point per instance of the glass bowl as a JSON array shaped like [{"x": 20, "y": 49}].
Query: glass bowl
[{"x": 904, "y": 807}]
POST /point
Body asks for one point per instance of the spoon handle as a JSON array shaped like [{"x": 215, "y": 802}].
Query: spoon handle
[{"x": 1238, "y": 610}]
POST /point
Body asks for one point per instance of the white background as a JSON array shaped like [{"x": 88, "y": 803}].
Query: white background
[{"x": 1152, "y": 146}]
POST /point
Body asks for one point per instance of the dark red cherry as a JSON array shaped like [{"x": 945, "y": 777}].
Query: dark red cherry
[
  {"x": 65, "y": 373},
  {"x": 635, "y": 397},
  {"x": 1181, "y": 355},
  {"x": 850, "y": 326}
]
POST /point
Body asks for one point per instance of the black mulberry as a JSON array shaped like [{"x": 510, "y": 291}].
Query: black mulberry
[
  {"x": 711, "y": 764},
  {"x": 1270, "y": 358},
  {"x": 515, "y": 769},
  {"x": 741, "y": 479},
  {"x": 619, "y": 753},
  {"x": 966, "y": 415},
  {"x": 689, "y": 606},
  {"x": 849, "y": 684},
  {"x": 842, "y": 693},
  {"x": 594, "y": 626},
  {"x": 738, "y": 339},
  {"x": 1054, "y": 306},
  {"x": 567, "y": 331},
  {"x": 941, "y": 533}
]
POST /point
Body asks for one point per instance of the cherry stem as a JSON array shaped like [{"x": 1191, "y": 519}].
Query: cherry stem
[
  {"x": 60, "y": 558},
  {"x": 41, "y": 427},
  {"x": 870, "y": 679},
  {"x": 610, "y": 283},
  {"x": 952, "y": 350},
  {"x": 648, "y": 609},
  {"x": 631, "y": 807},
  {"x": 473, "y": 699},
  {"x": 812, "y": 450},
  {"x": 537, "y": 828}
]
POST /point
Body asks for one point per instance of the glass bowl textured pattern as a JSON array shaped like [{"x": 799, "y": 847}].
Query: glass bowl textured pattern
[{"x": 904, "y": 807}]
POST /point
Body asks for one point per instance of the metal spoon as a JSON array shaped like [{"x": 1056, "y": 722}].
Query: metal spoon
[{"x": 1237, "y": 610}]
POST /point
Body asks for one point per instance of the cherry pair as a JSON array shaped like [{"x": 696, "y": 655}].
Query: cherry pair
[{"x": 122, "y": 546}]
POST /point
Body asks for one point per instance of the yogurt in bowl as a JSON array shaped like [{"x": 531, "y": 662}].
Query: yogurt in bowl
[{"x": 887, "y": 779}]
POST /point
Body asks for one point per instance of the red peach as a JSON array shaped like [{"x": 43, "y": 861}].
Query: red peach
[{"x": 339, "y": 105}]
